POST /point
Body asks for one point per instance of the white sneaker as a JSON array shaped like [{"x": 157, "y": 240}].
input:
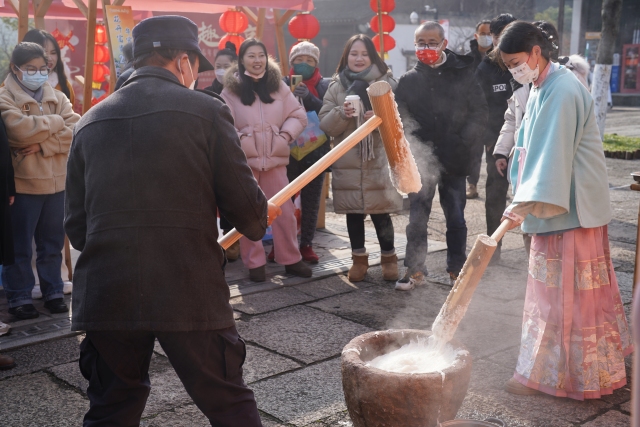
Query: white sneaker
[
  {"x": 68, "y": 288},
  {"x": 36, "y": 293},
  {"x": 4, "y": 328},
  {"x": 409, "y": 281}
]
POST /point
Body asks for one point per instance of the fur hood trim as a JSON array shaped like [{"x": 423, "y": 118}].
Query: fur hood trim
[{"x": 274, "y": 78}]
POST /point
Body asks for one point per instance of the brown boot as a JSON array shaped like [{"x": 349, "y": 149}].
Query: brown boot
[
  {"x": 359, "y": 267},
  {"x": 258, "y": 274},
  {"x": 389, "y": 264},
  {"x": 299, "y": 269},
  {"x": 6, "y": 362},
  {"x": 233, "y": 253}
]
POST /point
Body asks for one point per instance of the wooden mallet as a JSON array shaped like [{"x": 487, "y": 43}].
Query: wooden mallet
[{"x": 404, "y": 172}]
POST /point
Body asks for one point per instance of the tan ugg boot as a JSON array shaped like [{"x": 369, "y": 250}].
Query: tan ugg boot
[
  {"x": 389, "y": 264},
  {"x": 359, "y": 267}
]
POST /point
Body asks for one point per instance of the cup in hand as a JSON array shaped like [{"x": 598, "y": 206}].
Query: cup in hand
[{"x": 354, "y": 102}]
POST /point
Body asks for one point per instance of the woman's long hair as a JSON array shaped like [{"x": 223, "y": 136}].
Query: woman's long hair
[
  {"x": 39, "y": 37},
  {"x": 248, "y": 87},
  {"x": 371, "y": 50}
]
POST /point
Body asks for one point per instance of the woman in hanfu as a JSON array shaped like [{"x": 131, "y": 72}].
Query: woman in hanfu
[{"x": 574, "y": 333}]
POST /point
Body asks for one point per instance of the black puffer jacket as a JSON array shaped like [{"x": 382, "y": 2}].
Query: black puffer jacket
[
  {"x": 447, "y": 109},
  {"x": 496, "y": 84},
  {"x": 7, "y": 189},
  {"x": 475, "y": 53},
  {"x": 148, "y": 169}
]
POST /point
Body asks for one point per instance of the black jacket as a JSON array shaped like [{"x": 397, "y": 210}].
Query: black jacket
[
  {"x": 216, "y": 87},
  {"x": 148, "y": 169},
  {"x": 313, "y": 103},
  {"x": 475, "y": 54},
  {"x": 447, "y": 109},
  {"x": 124, "y": 77},
  {"x": 7, "y": 189},
  {"x": 496, "y": 84}
]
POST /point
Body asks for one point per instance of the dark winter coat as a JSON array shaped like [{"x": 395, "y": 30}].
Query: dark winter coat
[
  {"x": 313, "y": 103},
  {"x": 496, "y": 84},
  {"x": 447, "y": 109},
  {"x": 475, "y": 54},
  {"x": 148, "y": 170},
  {"x": 124, "y": 77},
  {"x": 7, "y": 189},
  {"x": 216, "y": 87}
]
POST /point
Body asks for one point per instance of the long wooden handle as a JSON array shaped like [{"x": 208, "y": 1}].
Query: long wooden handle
[{"x": 310, "y": 174}]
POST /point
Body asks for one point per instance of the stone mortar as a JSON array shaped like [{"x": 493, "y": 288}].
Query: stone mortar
[{"x": 377, "y": 398}]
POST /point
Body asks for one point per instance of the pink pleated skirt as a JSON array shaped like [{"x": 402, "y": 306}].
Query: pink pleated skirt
[{"x": 574, "y": 331}]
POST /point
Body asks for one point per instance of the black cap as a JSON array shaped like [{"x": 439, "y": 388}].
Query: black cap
[{"x": 171, "y": 32}]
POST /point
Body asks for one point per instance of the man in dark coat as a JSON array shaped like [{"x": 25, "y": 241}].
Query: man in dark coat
[
  {"x": 148, "y": 169},
  {"x": 495, "y": 83},
  {"x": 443, "y": 111}
]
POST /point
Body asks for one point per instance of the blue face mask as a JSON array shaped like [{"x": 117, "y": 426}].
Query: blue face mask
[
  {"x": 33, "y": 82},
  {"x": 305, "y": 70}
]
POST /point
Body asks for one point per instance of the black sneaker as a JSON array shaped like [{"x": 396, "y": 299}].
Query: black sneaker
[
  {"x": 56, "y": 306},
  {"x": 24, "y": 312}
]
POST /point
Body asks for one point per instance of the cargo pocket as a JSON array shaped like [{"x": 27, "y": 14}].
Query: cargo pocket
[
  {"x": 89, "y": 364},
  {"x": 235, "y": 353}
]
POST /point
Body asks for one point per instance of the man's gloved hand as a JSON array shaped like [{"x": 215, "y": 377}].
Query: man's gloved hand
[{"x": 301, "y": 91}]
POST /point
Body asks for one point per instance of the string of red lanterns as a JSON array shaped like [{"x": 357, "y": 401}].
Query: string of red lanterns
[
  {"x": 304, "y": 26},
  {"x": 387, "y": 22},
  {"x": 100, "y": 56},
  {"x": 233, "y": 22}
]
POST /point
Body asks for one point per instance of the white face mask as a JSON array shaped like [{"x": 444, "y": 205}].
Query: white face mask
[
  {"x": 220, "y": 72},
  {"x": 193, "y": 83},
  {"x": 523, "y": 74},
  {"x": 485, "y": 41}
]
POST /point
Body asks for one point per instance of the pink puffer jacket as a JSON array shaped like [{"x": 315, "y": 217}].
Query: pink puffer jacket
[{"x": 265, "y": 130}]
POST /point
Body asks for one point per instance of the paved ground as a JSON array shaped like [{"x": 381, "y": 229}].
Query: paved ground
[
  {"x": 623, "y": 121},
  {"x": 296, "y": 329}
]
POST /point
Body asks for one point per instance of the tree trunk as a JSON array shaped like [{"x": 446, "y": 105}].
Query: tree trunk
[
  {"x": 611, "y": 10},
  {"x": 560, "y": 26}
]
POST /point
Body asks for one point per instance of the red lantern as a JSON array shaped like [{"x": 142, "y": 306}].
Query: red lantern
[
  {"x": 388, "y": 24},
  {"x": 233, "y": 38},
  {"x": 304, "y": 26},
  {"x": 389, "y": 42},
  {"x": 385, "y": 5},
  {"x": 101, "y": 34},
  {"x": 100, "y": 72},
  {"x": 234, "y": 21},
  {"x": 101, "y": 53}
]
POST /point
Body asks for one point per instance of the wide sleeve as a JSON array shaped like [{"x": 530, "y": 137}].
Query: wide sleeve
[
  {"x": 507, "y": 140},
  {"x": 333, "y": 122},
  {"x": 477, "y": 114},
  {"x": 75, "y": 216},
  {"x": 294, "y": 113},
  {"x": 60, "y": 142},
  {"x": 550, "y": 142},
  {"x": 24, "y": 130},
  {"x": 239, "y": 198}
]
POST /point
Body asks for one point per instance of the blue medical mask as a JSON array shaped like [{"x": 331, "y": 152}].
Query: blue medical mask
[
  {"x": 305, "y": 70},
  {"x": 33, "y": 82}
]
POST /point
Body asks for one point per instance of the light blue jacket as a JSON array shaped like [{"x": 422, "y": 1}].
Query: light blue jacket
[{"x": 564, "y": 165}]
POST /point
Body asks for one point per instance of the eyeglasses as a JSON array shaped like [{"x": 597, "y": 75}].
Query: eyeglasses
[
  {"x": 31, "y": 71},
  {"x": 433, "y": 46}
]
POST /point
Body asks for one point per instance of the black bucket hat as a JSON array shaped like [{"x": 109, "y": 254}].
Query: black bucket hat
[{"x": 171, "y": 32}]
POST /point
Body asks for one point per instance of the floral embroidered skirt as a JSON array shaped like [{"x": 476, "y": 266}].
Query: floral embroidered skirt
[{"x": 574, "y": 331}]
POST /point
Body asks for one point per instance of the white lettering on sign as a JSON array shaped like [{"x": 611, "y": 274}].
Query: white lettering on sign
[{"x": 500, "y": 88}]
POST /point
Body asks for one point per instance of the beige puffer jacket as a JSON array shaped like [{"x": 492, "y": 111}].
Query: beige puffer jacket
[
  {"x": 49, "y": 124},
  {"x": 358, "y": 186}
]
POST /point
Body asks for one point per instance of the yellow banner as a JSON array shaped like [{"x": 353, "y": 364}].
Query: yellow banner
[{"x": 120, "y": 25}]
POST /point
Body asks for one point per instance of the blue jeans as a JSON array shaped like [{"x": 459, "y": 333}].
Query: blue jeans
[
  {"x": 39, "y": 218},
  {"x": 452, "y": 190}
]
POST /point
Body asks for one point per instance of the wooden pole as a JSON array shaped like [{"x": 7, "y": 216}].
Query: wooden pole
[
  {"x": 23, "y": 18},
  {"x": 380, "y": 29},
  {"x": 560, "y": 27},
  {"x": 454, "y": 308},
  {"x": 88, "y": 59},
  {"x": 310, "y": 174},
  {"x": 262, "y": 12},
  {"x": 282, "y": 47},
  {"x": 112, "y": 62},
  {"x": 321, "y": 223}
]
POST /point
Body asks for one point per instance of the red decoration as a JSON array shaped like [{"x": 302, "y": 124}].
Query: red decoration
[
  {"x": 101, "y": 53},
  {"x": 388, "y": 24},
  {"x": 389, "y": 42},
  {"x": 101, "y": 34},
  {"x": 304, "y": 26},
  {"x": 234, "y": 21},
  {"x": 63, "y": 41},
  {"x": 385, "y": 5},
  {"x": 233, "y": 38},
  {"x": 100, "y": 73}
]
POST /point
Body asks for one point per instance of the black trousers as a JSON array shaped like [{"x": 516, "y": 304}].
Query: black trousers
[
  {"x": 496, "y": 200},
  {"x": 384, "y": 230},
  {"x": 209, "y": 364}
]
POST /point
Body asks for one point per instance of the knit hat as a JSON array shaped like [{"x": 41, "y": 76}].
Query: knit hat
[{"x": 304, "y": 48}]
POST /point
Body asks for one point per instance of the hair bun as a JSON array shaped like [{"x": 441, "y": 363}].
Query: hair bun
[{"x": 230, "y": 46}]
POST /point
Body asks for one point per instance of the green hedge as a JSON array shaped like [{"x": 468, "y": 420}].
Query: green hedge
[{"x": 615, "y": 142}]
